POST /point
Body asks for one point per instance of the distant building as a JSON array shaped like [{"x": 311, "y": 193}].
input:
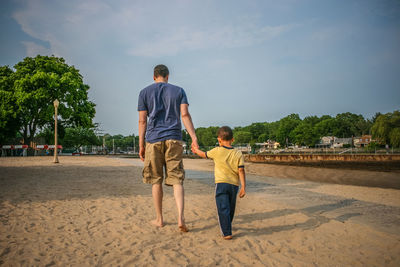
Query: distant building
[
  {"x": 245, "y": 149},
  {"x": 326, "y": 142},
  {"x": 334, "y": 142},
  {"x": 340, "y": 142},
  {"x": 268, "y": 145},
  {"x": 362, "y": 141}
]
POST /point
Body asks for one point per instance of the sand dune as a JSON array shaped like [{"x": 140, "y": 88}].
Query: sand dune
[{"x": 89, "y": 211}]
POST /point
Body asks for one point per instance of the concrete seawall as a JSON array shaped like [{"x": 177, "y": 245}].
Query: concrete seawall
[{"x": 319, "y": 158}]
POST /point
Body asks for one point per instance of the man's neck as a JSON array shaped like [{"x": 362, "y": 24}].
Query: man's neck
[{"x": 161, "y": 79}]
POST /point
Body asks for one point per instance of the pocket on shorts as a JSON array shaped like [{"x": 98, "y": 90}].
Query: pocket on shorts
[
  {"x": 146, "y": 173},
  {"x": 175, "y": 150}
]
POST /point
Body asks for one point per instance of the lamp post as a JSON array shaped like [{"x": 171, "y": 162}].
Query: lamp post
[
  {"x": 134, "y": 148},
  {"x": 56, "y": 103}
]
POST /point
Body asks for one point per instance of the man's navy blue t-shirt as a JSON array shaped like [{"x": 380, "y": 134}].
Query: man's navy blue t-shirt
[{"x": 162, "y": 101}]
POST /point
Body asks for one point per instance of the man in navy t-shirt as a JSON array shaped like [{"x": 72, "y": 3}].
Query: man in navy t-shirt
[{"x": 161, "y": 106}]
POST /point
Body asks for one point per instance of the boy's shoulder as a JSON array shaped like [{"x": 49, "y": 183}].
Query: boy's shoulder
[
  {"x": 237, "y": 150},
  {"x": 238, "y": 153},
  {"x": 225, "y": 150}
]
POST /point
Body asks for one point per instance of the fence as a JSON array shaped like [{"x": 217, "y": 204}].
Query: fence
[
  {"x": 14, "y": 150},
  {"x": 340, "y": 151},
  {"x": 310, "y": 151},
  {"x": 22, "y": 150}
]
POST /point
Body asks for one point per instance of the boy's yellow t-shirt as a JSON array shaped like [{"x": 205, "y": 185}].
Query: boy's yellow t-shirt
[{"x": 227, "y": 163}]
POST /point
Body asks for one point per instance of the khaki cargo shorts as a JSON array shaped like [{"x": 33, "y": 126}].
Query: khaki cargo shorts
[{"x": 164, "y": 155}]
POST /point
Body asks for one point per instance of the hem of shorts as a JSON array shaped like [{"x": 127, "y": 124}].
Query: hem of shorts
[
  {"x": 149, "y": 182},
  {"x": 171, "y": 184}
]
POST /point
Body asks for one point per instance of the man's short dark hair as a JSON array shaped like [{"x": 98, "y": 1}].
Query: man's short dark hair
[
  {"x": 161, "y": 70},
  {"x": 225, "y": 133}
]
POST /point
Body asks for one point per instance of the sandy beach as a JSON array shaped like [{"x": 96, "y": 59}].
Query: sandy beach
[{"x": 95, "y": 211}]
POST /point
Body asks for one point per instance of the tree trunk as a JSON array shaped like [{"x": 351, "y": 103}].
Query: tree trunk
[{"x": 25, "y": 135}]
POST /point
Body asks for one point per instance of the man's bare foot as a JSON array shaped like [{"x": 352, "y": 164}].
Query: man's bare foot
[
  {"x": 183, "y": 228},
  {"x": 157, "y": 223},
  {"x": 228, "y": 237}
]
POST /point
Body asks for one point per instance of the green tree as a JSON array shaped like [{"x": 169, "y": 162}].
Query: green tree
[
  {"x": 262, "y": 138},
  {"x": 9, "y": 121},
  {"x": 256, "y": 129},
  {"x": 273, "y": 128},
  {"x": 326, "y": 127},
  {"x": 242, "y": 137},
  {"x": 207, "y": 136},
  {"x": 48, "y": 135},
  {"x": 387, "y": 128},
  {"x": 304, "y": 134},
  {"x": 394, "y": 136},
  {"x": 80, "y": 136},
  {"x": 286, "y": 126},
  {"x": 41, "y": 80},
  {"x": 120, "y": 142},
  {"x": 377, "y": 114},
  {"x": 349, "y": 124},
  {"x": 363, "y": 126},
  {"x": 381, "y": 128}
]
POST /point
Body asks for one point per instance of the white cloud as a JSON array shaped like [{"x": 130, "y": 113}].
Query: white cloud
[
  {"x": 33, "y": 49},
  {"x": 138, "y": 28},
  {"x": 188, "y": 39}
]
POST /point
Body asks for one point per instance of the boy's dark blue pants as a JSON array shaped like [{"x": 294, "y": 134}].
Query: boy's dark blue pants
[{"x": 225, "y": 197}]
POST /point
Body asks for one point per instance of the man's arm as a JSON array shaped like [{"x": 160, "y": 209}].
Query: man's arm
[
  {"x": 242, "y": 178},
  {"x": 187, "y": 121},
  {"x": 142, "y": 132}
]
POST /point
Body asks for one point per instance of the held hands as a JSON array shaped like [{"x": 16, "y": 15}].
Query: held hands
[
  {"x": 194, "y": 150},
  {"x": 195, "y": 146},
  {"x": 242, "y": 192}
]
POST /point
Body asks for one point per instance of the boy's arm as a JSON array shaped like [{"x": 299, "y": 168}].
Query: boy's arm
[
  {"x": 199, "y": 152},
  {"x": 242, "y": 178}
]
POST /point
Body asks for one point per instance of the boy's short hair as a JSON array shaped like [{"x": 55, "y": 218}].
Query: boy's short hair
[
  {"x": 225, "y": 133},
  {"x": 161, "y": 70}
]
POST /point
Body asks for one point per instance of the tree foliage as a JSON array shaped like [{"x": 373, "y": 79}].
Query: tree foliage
[
  {"x": 80, "y": 136},
  {"x": 36, "y": 83},
  {"x": 9, "y": 121},
  {"x": 293, "y": 130},
  {"x": 285, "y": 134},
  {"x": 121, "y": 142},
  {"x": 387, "y": 128},
  {"x": 242, "y": 137},
  {"x": 207, "y": 136}
]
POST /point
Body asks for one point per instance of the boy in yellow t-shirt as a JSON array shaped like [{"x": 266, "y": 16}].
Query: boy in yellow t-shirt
[{"x": 229, "y": 171}]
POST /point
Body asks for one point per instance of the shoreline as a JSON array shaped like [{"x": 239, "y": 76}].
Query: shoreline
[
  {"x": 338, "y": 176},
  {"x": 367, "y": 165}
]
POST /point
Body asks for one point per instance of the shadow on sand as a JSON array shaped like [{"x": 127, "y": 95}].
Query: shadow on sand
[{"x": 314, "y": 213}]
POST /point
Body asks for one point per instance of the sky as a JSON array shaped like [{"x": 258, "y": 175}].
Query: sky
[{"x": 239, "y": 61}]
